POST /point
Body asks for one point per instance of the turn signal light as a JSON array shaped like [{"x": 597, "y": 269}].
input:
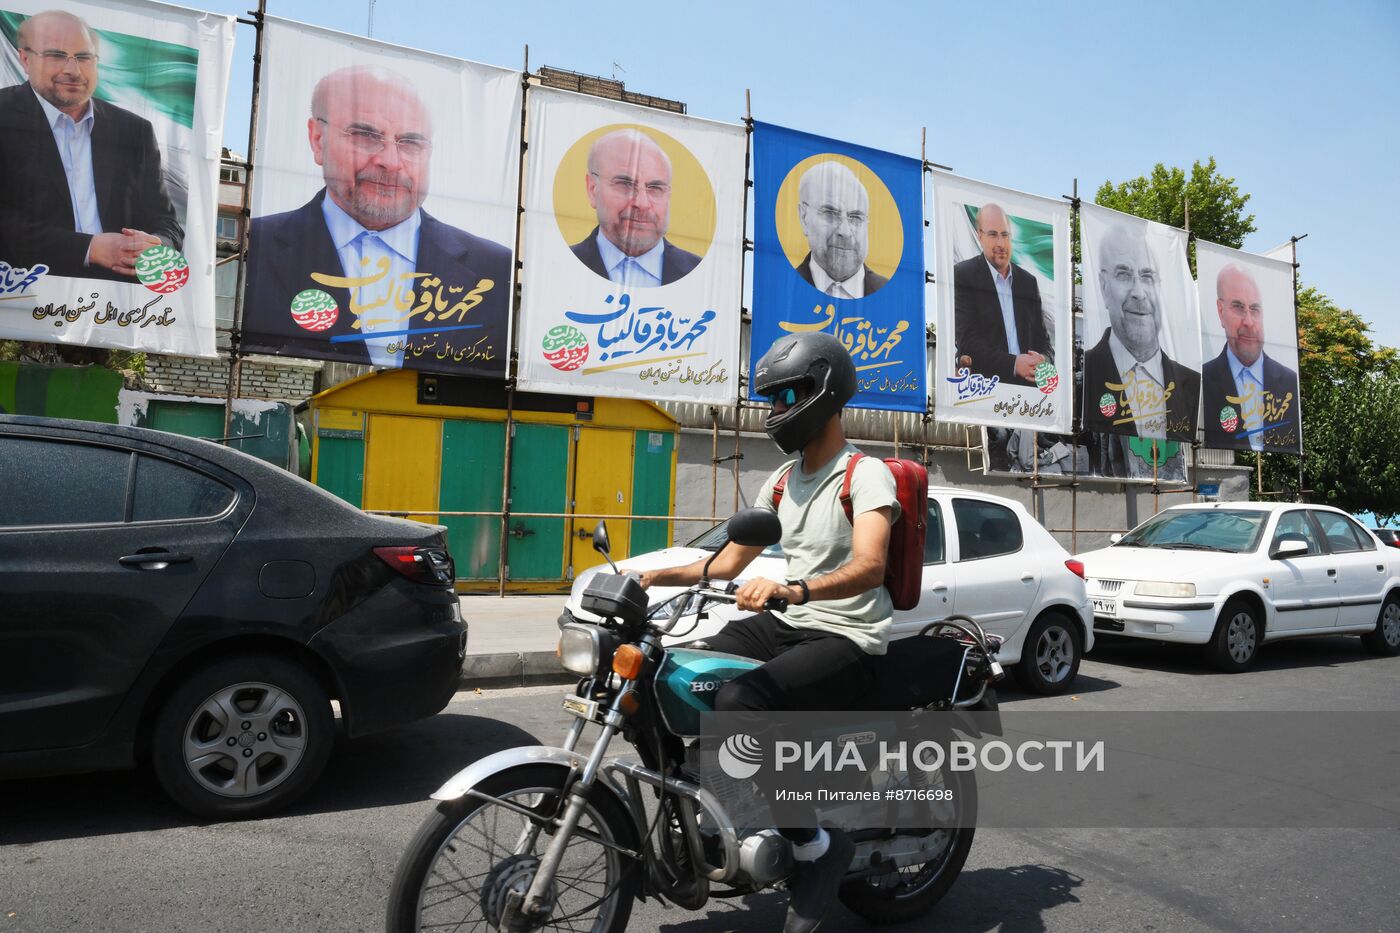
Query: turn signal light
[
  {"x": 627, "y": 662},
  {"x": 629, "y": 704}
]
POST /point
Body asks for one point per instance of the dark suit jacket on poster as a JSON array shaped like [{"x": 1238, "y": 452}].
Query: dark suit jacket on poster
[
  {"x": 675, "y": 262},
  {"x": 1217, "y": 382},
  {"x": 980, "y": 330},
  {"x": 1100, "y": 369},
  {"x": 873, "y": 280},
  {"x": 36, "y": 208},
  {"x": 284, "y": 249}
]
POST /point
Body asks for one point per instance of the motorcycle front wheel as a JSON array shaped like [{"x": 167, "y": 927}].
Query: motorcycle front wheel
[{"x": 470, "y": 855}]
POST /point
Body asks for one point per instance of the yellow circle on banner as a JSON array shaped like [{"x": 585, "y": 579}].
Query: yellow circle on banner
[
  {"x": 886, "y": 227},
  {"x": 691, "y": 222}
]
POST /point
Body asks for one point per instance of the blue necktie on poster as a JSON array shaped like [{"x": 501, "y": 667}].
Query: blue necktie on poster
[{"x": 832, "y": 221}]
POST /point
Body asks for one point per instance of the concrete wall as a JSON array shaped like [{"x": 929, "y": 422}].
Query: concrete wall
[
  {"x": 290, "y": 381},
  {"x": 1106, "y": 506}
]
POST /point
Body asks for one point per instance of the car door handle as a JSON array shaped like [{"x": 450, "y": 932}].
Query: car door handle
[
  {"x": 1331, "y": 573},
  {"x": 1027, "y": 577},
  {"x": 154, "y": 560},
  {"x": 939, "y": 587}
]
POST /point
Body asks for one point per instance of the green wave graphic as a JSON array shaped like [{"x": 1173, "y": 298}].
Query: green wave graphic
[
  {"x": 136, "y": 71},
  {"x": 1032, "y": 243}
]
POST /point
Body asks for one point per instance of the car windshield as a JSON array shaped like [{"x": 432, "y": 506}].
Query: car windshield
[
  {"x": 1234, "y": 531},
  {"x": 718, "y": 536}
]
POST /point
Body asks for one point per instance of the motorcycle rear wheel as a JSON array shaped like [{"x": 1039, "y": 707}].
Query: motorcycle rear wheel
[
  {"x": 462, "y": 860},
  {"x": 913, "y": 891}
]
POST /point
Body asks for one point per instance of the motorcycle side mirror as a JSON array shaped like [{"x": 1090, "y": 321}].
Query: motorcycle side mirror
[
  {"x": 600, "y": 543},
  {"x": 751, "y": 528},
  {"x": 1115, "y": 538},
  {"x": 755, "y": 528}
]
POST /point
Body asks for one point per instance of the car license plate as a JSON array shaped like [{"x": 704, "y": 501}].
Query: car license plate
[{"x": 1105, "y": 607}]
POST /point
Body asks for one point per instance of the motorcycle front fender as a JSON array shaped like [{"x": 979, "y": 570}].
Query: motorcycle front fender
[{"x": 476, "y": 772}]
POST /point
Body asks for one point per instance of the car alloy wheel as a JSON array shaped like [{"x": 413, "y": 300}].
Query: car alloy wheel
[
  {"x": 1050, "y": 655},
  {"x": 1240, "y": 639},
  {"x": 1385, "y": 637},
  {"x": 1390, "y": 624},
  {"x": 1238, "y": 634},
  {"x": 245, "y": 739},
  {"x": 1054, "y": 654}
]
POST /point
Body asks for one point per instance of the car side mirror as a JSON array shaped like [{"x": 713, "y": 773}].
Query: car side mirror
[
  {"x": 1289, "y": 546},
  {"x": 1115, "y": 538}
]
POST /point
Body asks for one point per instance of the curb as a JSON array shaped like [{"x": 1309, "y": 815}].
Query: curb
[{"x": 513, "y": 669}]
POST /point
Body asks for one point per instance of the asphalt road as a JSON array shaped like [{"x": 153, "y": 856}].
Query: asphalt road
[{"x": 107, "y": 852}]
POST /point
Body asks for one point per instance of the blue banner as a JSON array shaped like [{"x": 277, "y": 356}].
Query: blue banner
[{"x": 839, "y": 248}]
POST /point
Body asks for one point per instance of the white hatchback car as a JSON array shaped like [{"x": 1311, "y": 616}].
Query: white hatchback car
[
  {"x": 1233, "y": 575},
  {"x": 984, "y": 557}
]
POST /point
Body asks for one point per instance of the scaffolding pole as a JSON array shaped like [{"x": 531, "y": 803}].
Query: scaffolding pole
[
  {"x": 513, "y": 361},
  {"x": 235, "y": 339}
]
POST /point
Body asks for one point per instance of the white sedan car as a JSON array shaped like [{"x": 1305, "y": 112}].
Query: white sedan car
[
  {"x": 984, "y": 557},
  {"x": 1233, "y": 575}
]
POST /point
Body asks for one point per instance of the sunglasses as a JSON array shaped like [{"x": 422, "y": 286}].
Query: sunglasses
[{"x": 788, "y": 395}]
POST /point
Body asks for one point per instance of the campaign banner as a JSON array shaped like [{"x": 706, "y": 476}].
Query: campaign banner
[
  {"x": 1142, "y": 339},
  {"x": 1005, "y": 318},
  {"x": 633, "y": 246},
  {"x": 1019, "y": 452},
  {"x": 384, "y": 215},
  {"x": 1249, "y": 338},
  {"x": 111, "y": 113},
  {"x": 838, "y": 248}
]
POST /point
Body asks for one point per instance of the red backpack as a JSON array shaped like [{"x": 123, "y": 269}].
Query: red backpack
[{"x": 904, "y": 563}]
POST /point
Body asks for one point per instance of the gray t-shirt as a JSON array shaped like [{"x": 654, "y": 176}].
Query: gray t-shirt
[{"x": 817, "y": 540}]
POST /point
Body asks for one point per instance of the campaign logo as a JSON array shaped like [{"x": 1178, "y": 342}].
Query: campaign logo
[
  {"x": 740, "y": 756},
  {"x": 314, "y": 310},
  {"x": 565, "y": 347},
  {"x": 1108, "y": 405},
  {"x": 1229, "y": 419},
  {"x": 162, "y": 269},
  {"x": 1047, "y": 377}
]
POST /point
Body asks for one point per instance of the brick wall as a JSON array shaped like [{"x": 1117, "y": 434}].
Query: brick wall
[{"x": 185, "y": 375}]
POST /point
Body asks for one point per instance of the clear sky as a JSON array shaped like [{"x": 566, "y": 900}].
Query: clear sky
[{"x": 1298, "y": 101}]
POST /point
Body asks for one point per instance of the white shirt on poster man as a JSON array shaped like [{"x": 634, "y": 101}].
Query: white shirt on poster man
[{"x": 354, "y": 244}]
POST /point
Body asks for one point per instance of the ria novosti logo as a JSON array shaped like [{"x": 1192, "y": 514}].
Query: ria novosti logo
[{"x": 740, "y": 756}]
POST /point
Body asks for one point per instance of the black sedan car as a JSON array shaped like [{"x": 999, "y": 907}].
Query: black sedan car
[
  {"x": 1387, "y": 535},
  {"x": 169, "y": 600}
]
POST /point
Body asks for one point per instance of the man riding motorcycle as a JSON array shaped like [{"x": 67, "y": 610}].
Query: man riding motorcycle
[{"x": 817, "y": 653}]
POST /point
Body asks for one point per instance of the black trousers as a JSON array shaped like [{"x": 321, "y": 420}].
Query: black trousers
[{"x": 802, "y": 670}]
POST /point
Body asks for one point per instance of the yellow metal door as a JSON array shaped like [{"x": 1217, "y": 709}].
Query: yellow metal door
[
  {"x": 602, "y": 486},
  {"x": 403, "y": 463}
]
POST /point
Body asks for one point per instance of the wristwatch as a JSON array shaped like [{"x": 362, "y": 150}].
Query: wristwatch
[{"x": 806, "y": 592}]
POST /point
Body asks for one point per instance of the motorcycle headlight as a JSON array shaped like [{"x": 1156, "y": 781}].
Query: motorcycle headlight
[
  {"x": 581, "y": 648},
  {"x": 1168, "y": 590}
]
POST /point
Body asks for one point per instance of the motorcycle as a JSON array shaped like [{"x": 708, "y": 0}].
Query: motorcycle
[{"x": 559, "y": 838}]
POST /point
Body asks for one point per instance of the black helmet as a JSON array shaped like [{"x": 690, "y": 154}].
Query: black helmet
[{"x": 817, "y": 365}]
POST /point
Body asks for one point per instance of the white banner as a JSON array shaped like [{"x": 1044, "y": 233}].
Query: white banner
[
  {"x": 1005, "y": 325},
  {"x": 385, "y": 211},
  {"x": 111, "y": 116},
  {"x": 632, "y": 252},
  {"x": 1249, "y": 382},
  {"x": 1142, "y": 345}
]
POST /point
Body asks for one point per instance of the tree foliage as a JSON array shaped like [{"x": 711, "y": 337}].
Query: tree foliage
[
  {"x": 1351, "y": 413},
  {"x": 1217, "y": 205}
]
